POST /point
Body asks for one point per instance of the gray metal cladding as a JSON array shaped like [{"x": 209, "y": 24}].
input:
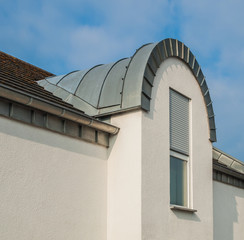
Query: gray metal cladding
[
  {"x": 127, "y": 84},
  {"x": 91, "y": 84},
  {"x": 179, "y": 122},
  {"x": 132, "y": 88},
  {"x": 71, "y": 81},
  {"x": 111, "y": 90}
]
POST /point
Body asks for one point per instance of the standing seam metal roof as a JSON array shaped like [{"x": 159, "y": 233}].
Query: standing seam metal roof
[{"x": 126, "y": 84}]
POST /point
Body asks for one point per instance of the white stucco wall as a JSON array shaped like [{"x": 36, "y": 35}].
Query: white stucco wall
[
  {"x": 51, "y": 186},
  {"x": 124, "y": 178},
  {"x": 228, "y": 212},
  {"x": 158, "y": 220}
]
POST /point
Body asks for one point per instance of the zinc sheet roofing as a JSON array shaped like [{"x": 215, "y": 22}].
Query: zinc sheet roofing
[{"x": 126, "y": 84}]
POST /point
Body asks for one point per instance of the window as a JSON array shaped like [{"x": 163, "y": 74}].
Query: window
[{"x": 179, "y": 148}]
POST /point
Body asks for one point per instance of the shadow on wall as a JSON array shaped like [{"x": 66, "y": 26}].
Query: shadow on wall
[
  {"x": 50, "y": 138},
  {"x": 228, "y": 203},
  {"x": 187, "y": 216}
]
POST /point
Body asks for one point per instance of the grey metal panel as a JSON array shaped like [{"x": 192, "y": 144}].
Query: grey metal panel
[
  {"x": 196, "y": 68},
  {"x": 71, "y": 81},
  {"x": 207, "y": 99},
  {"x": 186, "y": 54},
  {"x": 145, "y": 102},
  {"x": 174, "y": 46},
  {"x": 90, "y": 87},
  {"x": 180, "y": 49},
  {"x": 4, "y": 108},
  {"x": 204, "y": 87},
  {"x": 152, "y": 64},
  {"x": 147, "y": 88},
  {"x": 72, "y": 128},
  {"x": 50, "y": 87},
  {"x": 156, "y": 56},
  {"x": 212, "y": 123},
  {"x": 112, "y": 87},
  {"x": 88, "y": 133},
  {"x": 162, "y": 51},
  {"x": 21, "y": 113},
  {"x": 210, "y": 111},
  {"x": 55, "y": 124},
  {"x": 82, "y": 105},
  {"x": 213, "y": 137},
  {"x": 148, "y": 74},
  {"x": 168, "y": 47},
  {"x": 54, "y": 80},
  {"x": 103, "y": 138},
  {"x": 179, "y": 122},
  {"x": 200, "y": 77},
  {"x": 134, "y": 77},
  {"x": 39, "y": 119},
  {"x": 62, "y": 93},
  {"x": 42, "y": 82},
  {"x": 191, "y": 58}
]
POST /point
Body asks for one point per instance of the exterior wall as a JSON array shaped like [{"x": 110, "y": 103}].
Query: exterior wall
[
  {"x": 228, "y": 212},
  {"x": 158, "y": 220},
  {"x": 51, "y": 186},
  {"x": 124, "y": 178}
]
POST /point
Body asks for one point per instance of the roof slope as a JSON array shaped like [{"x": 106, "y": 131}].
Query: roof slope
[
  {"x": 126, "y": 84},
  {"x": 21, "y": 76},
  {"x": 18, "y": 83}
]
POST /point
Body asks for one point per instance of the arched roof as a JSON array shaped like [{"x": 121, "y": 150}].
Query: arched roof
[{"x": 126, "y": 84}]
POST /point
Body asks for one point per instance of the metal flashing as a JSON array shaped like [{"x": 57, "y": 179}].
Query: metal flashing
[
  {"x": 54, "y": 109},
  {"x": 41, "y": 119},
  {"x": 227, "y": 169}
]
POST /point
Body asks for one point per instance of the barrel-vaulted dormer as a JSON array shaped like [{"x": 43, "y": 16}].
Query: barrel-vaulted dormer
[{"x": 126, "y": 84}]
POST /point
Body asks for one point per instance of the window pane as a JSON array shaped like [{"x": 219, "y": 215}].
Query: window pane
[{"x": 178, "y": 189}]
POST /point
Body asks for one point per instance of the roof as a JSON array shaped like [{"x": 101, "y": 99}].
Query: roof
[
  {"x": 227, "y": 169},
  {"x": 21, "y": 76},
  {"x": 18, "y": 84},
  {"x": 126, "y": 84},
  {"x": 227, "y": 160}
]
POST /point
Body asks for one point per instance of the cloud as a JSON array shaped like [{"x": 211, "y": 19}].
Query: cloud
[{"x": 61, "y": 36}]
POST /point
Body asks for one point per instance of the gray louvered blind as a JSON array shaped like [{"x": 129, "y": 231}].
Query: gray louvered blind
[{"x": 179, "y": 122}]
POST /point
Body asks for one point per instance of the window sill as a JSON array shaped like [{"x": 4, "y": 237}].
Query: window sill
[{"x": 181, "y": 208}]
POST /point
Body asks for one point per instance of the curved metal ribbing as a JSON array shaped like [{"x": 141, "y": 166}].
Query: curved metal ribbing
[
  {"x": 174, "y": 48},
  {"x": 66, "y": 76},
  {"x": 131, "y": 59},
  {"x": 98, "y": 102},
  {"x": 84, "y": 77}
]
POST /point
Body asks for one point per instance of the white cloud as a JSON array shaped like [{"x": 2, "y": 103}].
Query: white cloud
[{"x": 61, "y": 36}]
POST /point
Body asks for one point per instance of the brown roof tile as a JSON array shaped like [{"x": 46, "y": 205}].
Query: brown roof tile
[{"x": 22, "y": 76}]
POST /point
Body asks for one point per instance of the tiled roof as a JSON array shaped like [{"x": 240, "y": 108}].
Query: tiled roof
[
  {"x": 21, "y": 76},
  {"x": 21, "y": 98}
]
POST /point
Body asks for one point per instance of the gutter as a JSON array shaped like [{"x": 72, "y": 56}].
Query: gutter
[{"x": 55, "y": 109}]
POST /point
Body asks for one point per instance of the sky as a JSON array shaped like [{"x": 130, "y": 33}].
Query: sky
[{"x": 61, "y": 36}]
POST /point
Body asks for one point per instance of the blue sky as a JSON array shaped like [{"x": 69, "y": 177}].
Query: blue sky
[{"x": 61, "y": 36}]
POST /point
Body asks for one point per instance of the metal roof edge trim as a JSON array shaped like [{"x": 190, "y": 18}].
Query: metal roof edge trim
[
  {"x": 173, "y": 48},
  {"x": 217, "y": 153},
  {"x": 60, "y": 111}
]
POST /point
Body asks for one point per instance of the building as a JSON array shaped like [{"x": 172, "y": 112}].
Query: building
[{"x": 118, "y": 151}]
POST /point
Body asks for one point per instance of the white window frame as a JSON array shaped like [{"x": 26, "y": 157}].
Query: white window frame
[{"x": 187, "y": 159}]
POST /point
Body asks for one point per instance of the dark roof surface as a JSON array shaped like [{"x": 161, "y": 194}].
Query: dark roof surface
[{"x": 22, "y": 76}]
